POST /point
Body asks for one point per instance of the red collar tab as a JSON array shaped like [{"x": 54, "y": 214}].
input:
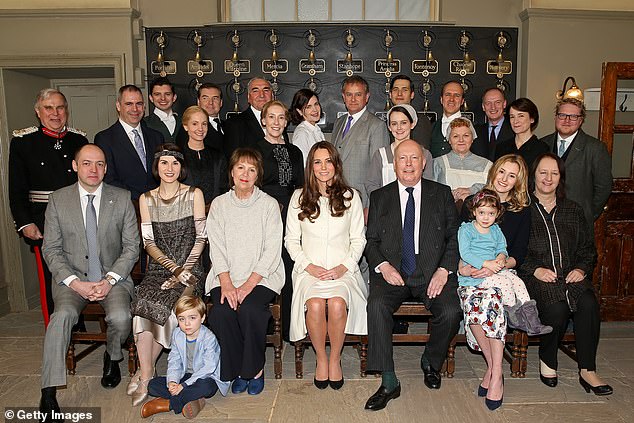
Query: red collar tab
[{"x": 53, "y": 134}]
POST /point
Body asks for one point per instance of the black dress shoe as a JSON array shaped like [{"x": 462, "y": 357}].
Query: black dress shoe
[
  {"x": 49, "y": 407},
  {"x": 432, "y": 377},
  {"x": 379, "y": 400},
  {"x": 111, "y": 373},
  {"x": 551, "y": 382},
  {"x": 596, "y": 390}
]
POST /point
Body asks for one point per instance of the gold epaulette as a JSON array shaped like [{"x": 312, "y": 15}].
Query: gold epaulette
[
  {"x": 26, "y": 131},
  {"x": 75, "y": 131}
]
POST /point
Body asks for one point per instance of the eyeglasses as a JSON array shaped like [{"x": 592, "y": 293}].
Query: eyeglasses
[{"x": 563, "y": 116}]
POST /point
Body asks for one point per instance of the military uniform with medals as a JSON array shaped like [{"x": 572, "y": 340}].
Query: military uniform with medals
[{"x": 40, "y": 162}]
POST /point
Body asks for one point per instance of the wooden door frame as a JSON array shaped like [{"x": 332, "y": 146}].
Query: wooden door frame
[{"x": 612, "y": 72}]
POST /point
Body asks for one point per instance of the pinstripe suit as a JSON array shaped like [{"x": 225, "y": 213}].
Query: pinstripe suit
[{"x": 438, "y": 247}]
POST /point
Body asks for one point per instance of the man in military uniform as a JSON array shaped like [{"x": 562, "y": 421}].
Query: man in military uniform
[{"x": 40, "y": 162}]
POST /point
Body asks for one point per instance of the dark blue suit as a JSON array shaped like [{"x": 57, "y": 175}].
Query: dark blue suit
[{"x": 125, "y": 169}]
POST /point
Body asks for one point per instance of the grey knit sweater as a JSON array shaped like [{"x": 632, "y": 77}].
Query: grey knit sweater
[{"x": 245, "y": 236}]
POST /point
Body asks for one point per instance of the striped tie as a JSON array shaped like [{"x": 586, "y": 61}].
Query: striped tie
[{"x": 408, "y": 259}]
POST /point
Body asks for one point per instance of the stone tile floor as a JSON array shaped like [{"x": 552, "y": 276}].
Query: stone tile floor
[{"x": 297, "y": 400}]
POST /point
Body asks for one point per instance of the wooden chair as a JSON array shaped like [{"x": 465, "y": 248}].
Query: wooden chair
[
  {"x": 274, "y": 338},
  {"x": 567, "y": 345},
  {"x": 415, "y": 309},
  {"x": 94, "y": 311}
]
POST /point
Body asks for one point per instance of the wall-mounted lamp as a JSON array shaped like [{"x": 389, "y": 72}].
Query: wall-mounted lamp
[{"x": 573, "y": 92}]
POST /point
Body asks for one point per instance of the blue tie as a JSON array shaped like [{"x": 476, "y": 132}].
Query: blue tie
[
  {"x": 408, "y": 261},
  {"x": 347, "y": 128},
  {"x": 138, "y": 146},
  {"x": 562, "y": 148}
]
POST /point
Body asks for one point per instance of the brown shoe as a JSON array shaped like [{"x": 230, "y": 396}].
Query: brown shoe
[
  {"x": 155, "y": 406},
  {"x": 192, "y": 408}
]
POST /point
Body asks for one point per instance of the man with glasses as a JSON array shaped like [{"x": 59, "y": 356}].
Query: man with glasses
[{"x": 587, "y": 161}]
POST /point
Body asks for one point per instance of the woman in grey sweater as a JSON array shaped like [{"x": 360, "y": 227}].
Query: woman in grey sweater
[{"x": 245, "y": 239}]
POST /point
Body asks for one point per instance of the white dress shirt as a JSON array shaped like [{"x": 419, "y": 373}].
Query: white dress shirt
[
  {"x": 568, "y": 140},
  {"x": 355, "y": 118},
  {"x": 128, "y": 130},
  {"x": 96, "y": 202},
  {"x": 404, "y": 196},
  {"x": 446, "y": 120}
]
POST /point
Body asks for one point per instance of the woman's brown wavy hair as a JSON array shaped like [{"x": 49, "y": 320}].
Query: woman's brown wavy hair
[{"x": 338, "y": 191}]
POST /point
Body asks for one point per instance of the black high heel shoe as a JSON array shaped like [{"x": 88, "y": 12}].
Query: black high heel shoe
[
  {"x": 551, "y": 382},
  {"x": 493, "y": 404},
  {"x": 336, "y": 384},
  {"x": 482, "y": 391},
  {"x": 321, "y": 384},
  {"x": 596, "y": 390}
]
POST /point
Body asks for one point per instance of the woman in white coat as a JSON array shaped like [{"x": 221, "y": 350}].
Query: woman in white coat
[{"x": 325, "y": 237}]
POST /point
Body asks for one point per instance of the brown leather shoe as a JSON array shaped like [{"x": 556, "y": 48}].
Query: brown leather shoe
[
  {"x": 157, "y": 405},
  {"x": 192, "y": 408}
]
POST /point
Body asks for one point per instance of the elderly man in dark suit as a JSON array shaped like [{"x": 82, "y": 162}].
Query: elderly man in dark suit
[
  {"x": 163, "y": 118},
  {"x": 587, "y": 161},
  {"x": 245, "y": 129},
  {"x": 129, "y": 146},
  {"x": 412, "y": 251},
  {"x": 497, "y": 127},
  {"x": 358, "y": 134},
  {"x": 91, "y": 243}
]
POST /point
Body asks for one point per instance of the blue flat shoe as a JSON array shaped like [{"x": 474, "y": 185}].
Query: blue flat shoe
[
  {"x": 239, "y": 385},
  {"x": 256, "y": 385}
]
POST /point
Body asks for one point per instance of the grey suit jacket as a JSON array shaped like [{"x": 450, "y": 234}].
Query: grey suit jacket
[
  {"x": 588, "y": 173},
  {"x": 65, "y": 247},
  {"x": 437, "y": 244},
  {"x": 356, "y": 149}
]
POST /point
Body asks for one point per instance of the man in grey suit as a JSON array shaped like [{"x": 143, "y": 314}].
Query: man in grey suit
[
  {"x": 91, "y": 243},
  {"x": 358, "y": 134},
  {"x": 587, "y": 161},
  {"x": 412, "y": 251}
]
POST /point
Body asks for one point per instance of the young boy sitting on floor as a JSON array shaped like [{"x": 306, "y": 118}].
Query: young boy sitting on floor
[{"x": 193, "y": 369}]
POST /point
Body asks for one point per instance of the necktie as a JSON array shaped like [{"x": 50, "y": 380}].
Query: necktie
[
  {"x": 94, "y": 264},
  {"x": 138, "y": 146},
  {"x": 347, "y": 128},
  {"x": 408, "y": 259},
  {"x": 562, "y": 148},
  {"x": 218, "y": 126},
  {"x": 492, "y": 138}
]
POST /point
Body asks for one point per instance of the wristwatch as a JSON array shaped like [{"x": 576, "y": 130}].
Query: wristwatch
[{"x": 111, "y": 279}]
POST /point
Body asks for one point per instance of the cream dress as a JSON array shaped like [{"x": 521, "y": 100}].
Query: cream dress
[{"x": 327, "y": 242}]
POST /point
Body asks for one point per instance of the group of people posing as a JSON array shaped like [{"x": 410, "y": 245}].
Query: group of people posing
[{"x": 343, "y": 230}]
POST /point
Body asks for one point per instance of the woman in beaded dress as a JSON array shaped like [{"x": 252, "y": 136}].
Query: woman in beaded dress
[{"x": 174, "y": 235}]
